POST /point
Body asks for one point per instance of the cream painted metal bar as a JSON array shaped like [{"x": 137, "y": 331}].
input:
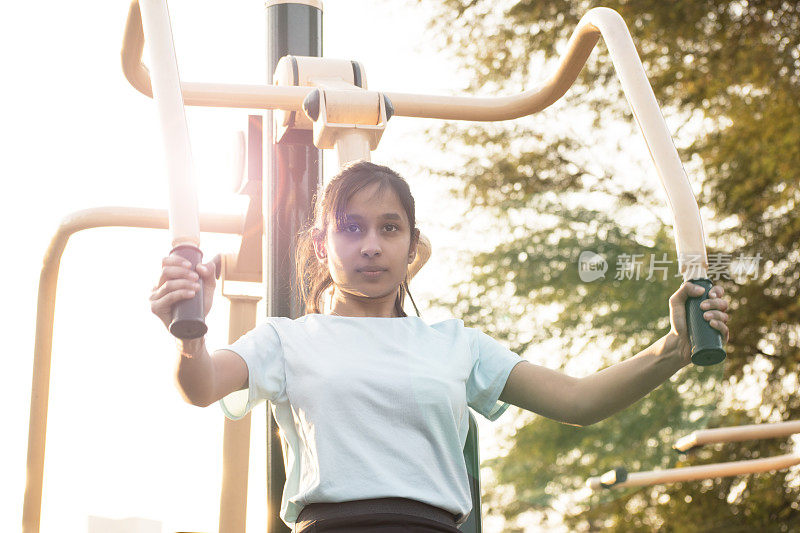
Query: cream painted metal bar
[
  {"x": 599, "y": 21},
  {"x": 689, "y": 234},
  {"x": 691, "y": 473},
  {"x": 737, "y": 433},
  {"x": 406, "y": 104},
  {"x": 203, "y": 94},
  {"x": 236, "y": 433},
  {"x": 172, "y": 117},
  {"x": 45, "y": 311},
  {"x": 188, "y": 316},
  {"x": 288, "y": 98}
]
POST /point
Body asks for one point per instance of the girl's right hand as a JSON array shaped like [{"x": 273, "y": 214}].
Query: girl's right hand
[{"x": 179, "y": 282}]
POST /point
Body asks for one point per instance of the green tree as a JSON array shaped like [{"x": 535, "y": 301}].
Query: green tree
[{"x": 727, "y": 75}]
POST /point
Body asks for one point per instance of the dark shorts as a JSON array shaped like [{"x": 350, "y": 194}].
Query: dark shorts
[
  {"x": 386, "y": 522},
  {"x": 390, "y": 515}
]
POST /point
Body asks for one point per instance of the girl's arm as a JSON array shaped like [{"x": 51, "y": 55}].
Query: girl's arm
[
  {"x": 584, "y": 401},
  {"x": 543, "y": 391},
  {"x": 203, "y": 379},
  {"x": 200, "y": 378},
  {"x": 612, "y": 389}
]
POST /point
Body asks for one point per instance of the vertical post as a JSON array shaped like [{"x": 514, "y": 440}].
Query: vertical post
[
  {"x": 236, "y": 440},
  {"x": 292, "y": 174}
]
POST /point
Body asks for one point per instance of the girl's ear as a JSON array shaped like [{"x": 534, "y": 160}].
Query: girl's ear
[
  {"x": 320, "y": 251},
  {"x": 319, "y": 247},
  {"x": 412, "y": 249}
]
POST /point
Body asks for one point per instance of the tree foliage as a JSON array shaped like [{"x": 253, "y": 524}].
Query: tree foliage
[{"x": 727, "y": 75}]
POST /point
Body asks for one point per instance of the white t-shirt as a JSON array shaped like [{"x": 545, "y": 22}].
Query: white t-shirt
[{"x": 372, "y": 407}]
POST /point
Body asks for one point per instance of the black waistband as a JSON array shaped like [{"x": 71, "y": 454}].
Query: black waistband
[{"x": 322, "y": 511}]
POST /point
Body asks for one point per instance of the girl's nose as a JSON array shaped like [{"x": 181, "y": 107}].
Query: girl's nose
[
  {"x": 371, "y": 246},
  {"x": 370, "y": 250}
]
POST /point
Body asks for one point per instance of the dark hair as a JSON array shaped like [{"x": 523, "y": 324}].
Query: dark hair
[{"x": 313, "y": 278}]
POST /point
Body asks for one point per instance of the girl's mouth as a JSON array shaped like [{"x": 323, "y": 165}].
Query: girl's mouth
[{"x": 372, "y": 274}]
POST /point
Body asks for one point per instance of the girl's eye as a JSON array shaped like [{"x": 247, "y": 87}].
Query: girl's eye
[{"x": 352, "y": 228}]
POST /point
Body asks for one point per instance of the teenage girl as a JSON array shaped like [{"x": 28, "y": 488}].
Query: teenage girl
[{"x": 372, "y": 403}]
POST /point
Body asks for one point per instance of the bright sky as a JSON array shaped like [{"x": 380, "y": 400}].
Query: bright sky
[{"x": 121, "y": 443}]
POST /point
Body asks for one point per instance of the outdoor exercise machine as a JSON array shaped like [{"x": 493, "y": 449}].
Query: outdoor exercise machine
[
  {"x": 620, "y": 477},
  {"x": 317, "y": 104}
]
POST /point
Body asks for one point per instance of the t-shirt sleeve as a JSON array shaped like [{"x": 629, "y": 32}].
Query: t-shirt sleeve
[
  {"x": 492, "y": 365},
  {"x": 262, "y": 351}
]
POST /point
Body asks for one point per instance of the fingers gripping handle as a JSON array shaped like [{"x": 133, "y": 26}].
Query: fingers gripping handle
[
  {"x": 187, "y": 315},
  {"x": 706, "y": 341}
]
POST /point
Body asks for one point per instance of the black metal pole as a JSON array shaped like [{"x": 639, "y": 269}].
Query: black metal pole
[{"x": 293, "y": 171}]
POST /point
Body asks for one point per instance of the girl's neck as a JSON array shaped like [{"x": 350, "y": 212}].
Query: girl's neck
[
  {"x": 342, "y": 312},
  {"x": 349, "y": 305}
]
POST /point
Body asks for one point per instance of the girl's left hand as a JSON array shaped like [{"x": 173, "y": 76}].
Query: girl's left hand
[{"x": 713, "y": 310}]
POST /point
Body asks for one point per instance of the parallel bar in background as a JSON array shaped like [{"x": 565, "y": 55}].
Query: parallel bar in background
[{"x": 737, "y": 434}]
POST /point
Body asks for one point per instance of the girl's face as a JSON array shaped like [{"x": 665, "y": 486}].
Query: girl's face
[{"x": 368, "y": 256}]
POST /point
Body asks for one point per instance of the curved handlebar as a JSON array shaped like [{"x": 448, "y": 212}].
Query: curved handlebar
[
  {"x": 203, "y": 94},
  {"x": 580, "y": 46},
  {"x": 690, "y": 239}
]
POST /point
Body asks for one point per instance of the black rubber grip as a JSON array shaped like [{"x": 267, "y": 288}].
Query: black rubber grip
[
  {"x": 187, "y": 315},
  {"x": 620, "y": 476},
  {"x": 706, "y": 341}
]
